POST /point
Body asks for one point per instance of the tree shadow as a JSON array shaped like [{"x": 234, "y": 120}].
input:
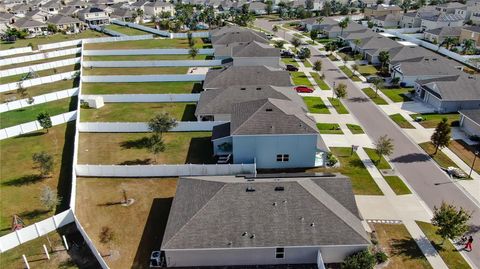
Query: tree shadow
[
  {"x": 408, "y": 248},
  {"x": 23, "y": 180},
  {"x": 30, "y": 134},
  {"x": 140, "y": 143},
  {"x": 189, "y": 113},
  {"x": 357, "y": 163},
  {"x": 411, "y": 158},
  {"x": 200, "y": 151},
  {"x": 32, "y": 214},
  {"x": 358, "y": 99},
  {"x": 110, "y": 204},
  {"x": 136, "y": 162},
  {"x": 153, "y": 232},
  {"x": 72, "y": 105}
]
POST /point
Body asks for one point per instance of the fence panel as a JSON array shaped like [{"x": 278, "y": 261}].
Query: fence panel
[
  {"x": 146, "y": 98},
  {"x": 39, "y": 56},
  {"x": 9, "y": 52},
  {"x": 192, "y": 63},
  {"x": 142, "y": 127},
  {"x": 116, "y": 39},
  {"x": 36, "y": 81},
  {"x": 143, "y": 78},
  {"x": 45, "y": 226},
  {"x": 205, "y": 34},
  {"x": 142, "y": 28},
  {"x": 63, "y": 44},
  {"x": 39, "y": 99},
  {"x": 38, "y": 67},
  {"x": 143, "y": 52},
  {"x": 90, "y": 244}
]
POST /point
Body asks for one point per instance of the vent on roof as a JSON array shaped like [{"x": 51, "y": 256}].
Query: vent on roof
[
  {"x": 312, "y": 224},
  {"x": 258, "y": 89},
  {"x": 274, "y": 204},
  {"x": 434, "y": 59},
  {"x": 252, "y": 236},
  {"x": 250, "y": 189},
  {"x": 279, "y": 188},
  {"x": 242, "y": 89},
  {"x": 268, "y": 109},
  {"x": 244, "y": 234}
]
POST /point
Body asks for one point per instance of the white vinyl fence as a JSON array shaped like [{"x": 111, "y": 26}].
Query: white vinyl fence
[
  {"x": 205, "y": 34},
  {"x": 190, "y": 63},
  {"x": 142, "y": 78},
  {"x": 90, "y": 244},
  {"x": 36, "y": 230},
  {"x": 39, "y": 56},
  {"x": 109, "y": 32},
  {"x": 167, "y": 170},
  {"x": 146, "y": 98},
  {"x": 63, "y": 44},
  {"x": 37, "y": 81},
  {"x": 40, "y": 99},
  {"x": 142, "y": 127},
  {"x": 38, "y": 67},
  {"x": 9, "y": 52},
  {"x": 141, "y": 28},
  {"x": 35, "y": 125},
  {"x": 144, "y": 52},
  {"x": 116, "y": 39}
]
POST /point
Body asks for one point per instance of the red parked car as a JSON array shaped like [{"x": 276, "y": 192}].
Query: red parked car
[{"x": 303, "y": 89}]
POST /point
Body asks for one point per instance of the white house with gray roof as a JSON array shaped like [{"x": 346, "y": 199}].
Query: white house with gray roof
[
  {"x": 265, "y": 220},
  {"x": 470, "y": 122}
]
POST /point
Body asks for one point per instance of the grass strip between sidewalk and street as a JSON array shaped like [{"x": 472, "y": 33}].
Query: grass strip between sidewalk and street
[
  {"x": 401, "y": 121},
  {"x": 315, "y": 105},
  {"x": 374, "y": 97},
  {"x": 397, "y": 185},
  {"x": 338, "y": 105},
  {"x": 329, "y": 128},
  {"x": 355, "y": 129}
]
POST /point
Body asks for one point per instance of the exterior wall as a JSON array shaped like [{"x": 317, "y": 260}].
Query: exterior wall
[
  {"x": 257, "y": 256},
  {"x": 434, "y": 24},
  {"x": 264, "y": 148},
  {"x": 410, "y": 22},
  {"x": 466, "y": 34},
  {"x": 445, "y": 106},
  {"x": 469, "y": 126},
  {"x": 218, "y": 142},
  {"x": 256, "y": 61}
]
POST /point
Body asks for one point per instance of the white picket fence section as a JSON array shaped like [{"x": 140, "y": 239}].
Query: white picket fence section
[
  {"x": 38, "y": 67},
  {"x": 40, "y": 99},
  {"x": 141, "y": 28},
  {"x": 90, "y": 244},
  {"x": 146, "y": 98},
  {"x": 205, "y": 34},
  {"x": 190, "y": 63},
  {"x": 36, "y": 230},
  {"x": 142, "y": 127},
  {"x": 116, "y": 39},
  {"x": 35, "y": 125},
  {"x": 36, "y": 81},
  {"x": 165, "y": 170},
  {"x": 144, "y": 52},
  {"x": 39, "y": 56},
  {"x": 63, "y": 44},
  {"x": 142, "y": 78},
  {"x": 9, "y": 52}
]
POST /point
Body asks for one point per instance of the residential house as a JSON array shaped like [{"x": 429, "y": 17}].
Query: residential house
[
  {"x": 158, "y": 7},
  {"x": 5, "y": 20},
  {"x": 38, "y": 15},
  {"x": 68, "y": 11},
  {"x": 438, "y": 35},
  {"x": 94, "y": 16},
  {"x": 279, "y": 220},
  {"x": 331, "y": 29},
  {"x": 224, "y": 40},
  {"x": 21, "y": 10},
  {"x": 256, "y": 53},
  {"x": 140, "y": 4},
  {"x": 388, "y": 21},
  {"x": 66, "y": 24},
  {"x": 52, "y": 7},
  {"x": 122, "y": 14},
  {"x": 410, "y": 20},
  {"x": 32, "y": 26},
  {"x": 452, "y": 8},
  {"x": 471, "y": 32},
  {"x": 371, "y": 47},
  {"x": 258, "y": 8},
  {"x": 382, "y": 10},
  {"x": 423, "y": 68},
  {"x": 441, "y": 20},
  {"x": 450, "y": 93},
  {"x": 474, "y": 15},
  {"x": 77, "y": 4},
  {"x": 470, "y": 122}
]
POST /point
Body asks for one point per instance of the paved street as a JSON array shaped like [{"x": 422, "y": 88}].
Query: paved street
[{"x": 422, "y": 173}]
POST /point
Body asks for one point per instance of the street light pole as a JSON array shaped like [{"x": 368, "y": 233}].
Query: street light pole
[{"x": 473, "y": 163}]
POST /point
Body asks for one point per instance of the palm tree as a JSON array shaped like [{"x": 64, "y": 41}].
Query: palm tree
[
  {"x": 448, "y": 42},
  {"x": 340, "y": 92},
  {"x": 468, "y": 45},
  {"x": 384, "y": 58},
  {"x": 357, "y": 43},
  {"x": 378, "y": 83},
  {"x": 343, "y": 24}
]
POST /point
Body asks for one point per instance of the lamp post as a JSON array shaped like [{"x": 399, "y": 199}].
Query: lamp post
[
  {"x": 333, "y": 90},
  {"x": 473, "y": 163}
]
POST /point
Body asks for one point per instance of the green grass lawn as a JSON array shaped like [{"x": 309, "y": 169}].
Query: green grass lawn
[
  {"x": 329, "y": 128},
  {"x": 355, "y": 129},
  {"x": 382, "y": 164},
  {"x": 440, "y": 157},
  {"x": 22, "y": 64},
  {"x": 158, "y": 43},
  {"x": 338, "y": 105},
  {"x": 432, "y": 120},
  {"x": 145, "y": 57},
  {"x": 316, "y": 105},
  {"x": 130, "y": 148},
  {"x": 397, "y": 94},
  {"x": 299, "y": 78},
  {"x": 290, "y": 61},
  {"x": 142, "y": 87},
  {"x": 397, "y": 185},
  {"x": 447, "y": 250},
  {"x": 324, "y": 40},
  {"x": 40, "y": 89},
  {"x": 319, "y": 81},
  {"x": 332, "y": 58},
  {"x": 100, "y": 71},
  {"x": 374, "y": 97},
  {"x": 20, "y": 183},
  {"x": 307, "y": 63},
  {"x": 126, "y": 30},
  {"x": 138, "y": 112},
  {"x": 401, "y": 121},
  {"x": 349, "y": 73},
  {"x": 23, "y": 115},
  {"x": 367, "y": 70},
  {"x": 42, "y": 73},
  {"x": 40, "y": 40}
]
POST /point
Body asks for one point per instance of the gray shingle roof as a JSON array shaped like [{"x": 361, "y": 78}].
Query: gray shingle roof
[
  {"x": 255, "y": 49},
  {"x": 245, "y": 75},
  {"x": 473, "y": 114},
  {"x": 211, "y": 212},
  {"x": 238, "y": 36},
  {"x": 453, "y": 88},
  {"x": 445, "y": 31},
  {"x": 61, "y": 19},
  {"x": 428, "y": 66},
  {"x": 27, "y": 23}
]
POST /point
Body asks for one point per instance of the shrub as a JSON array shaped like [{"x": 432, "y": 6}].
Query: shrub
[
  {"x": 331, "y": 160},
  {"x": 363, "y": 259},
  {"x": 106, "y": 235},
  {"x": 381, "y": 257}
]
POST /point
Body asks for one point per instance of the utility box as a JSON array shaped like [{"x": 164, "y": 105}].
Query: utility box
[{"x": 94, "y": 101}]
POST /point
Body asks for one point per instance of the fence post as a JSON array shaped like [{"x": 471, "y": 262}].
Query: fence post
[
  {"x": 25, "y": 261},
  {"x": 65, "y": 241},
  {"x": 46, "y": 251}
]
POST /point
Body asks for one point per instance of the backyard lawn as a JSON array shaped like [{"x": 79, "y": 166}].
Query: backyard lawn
[
  {"x": 49, "y": 39},
  {"x": 290, "y": 61},
  {"x": 30, "y": 63},
  {"x": 432, "y": 120},
  {"x": 300, "y": 79},
  {"x": 401, "y": 121},
  {"x": 42, "y": 73},
  {"x": 138, "y": 229},
  {"x": 131, "y": 148},
  {"x": 349, "y": 73},
  {"x": 374, "y": 97},
  {"x": 23, "y": 115},
  {"x": 138, "y": 112},
  {"x": 316, "y": 105},
  {"x": 20, "y": 183},
  {"x": 382, "y": 164},
  {"x": 465, "y": 152},
  {"x": 447, "y": 250},
  {"x": 41, "y": 89},
  {"x": 126, "y": 30},
  {"x": 440, "y": 157},
  {"x": 367, "y": 70},
  {"x": 397, "y": 185},
  {"x": 338, "y": 105},
  {"x": 329, "y": 128},
  {"x": 145, "y": 57},
  {"x": 157, "y": 43},
  {"x": 401, "y": 248},
  {"x": 141, "y": 87},
  {"x": 355, "y": 129},
  {"x": 101, "y": 71},
  {"x": 319, "y": 81},
  {"x": 397, "y": 94}
]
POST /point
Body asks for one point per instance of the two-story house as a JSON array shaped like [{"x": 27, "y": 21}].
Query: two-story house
[{"x": 94, "y": 16}]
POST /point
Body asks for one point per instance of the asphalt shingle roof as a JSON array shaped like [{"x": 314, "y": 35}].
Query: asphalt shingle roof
[
  {"x": 245, "y": 75},
  {"x": 255, "y": 49},
  {"x": 473, "y": 114},
  {"x": 453, "y": 88}
]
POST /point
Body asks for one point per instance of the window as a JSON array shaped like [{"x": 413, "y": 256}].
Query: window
[
  {"x": 283, "y": 157},
  {"x": 280, "y": 253}
]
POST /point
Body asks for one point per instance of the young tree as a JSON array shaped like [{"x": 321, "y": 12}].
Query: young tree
[
  {"x": 21, "y": 90},
  {"x": 296, "y": 42},
  {"x": 317, "y": 65},
  {"x": 49, "y": 198},
  {"x": 384, "y": 58},
  {"x": 278, "y": 44},
  {"x": 275, "y": 28},
  {"x": 468, "y": 45},
  {"x": 161, "y": 123},
  {"x": 156, "y": 145},
  {"x": 340, "y": 91},
  {"x": 44, "y": 161},
  {"x": 193, "y": 52},
  {"x": 191, "y": 41},
  {"x": 441, "y": 137},
  {"x": 313, "y": 34},
  {"x": 304, "y": 53},
  {"x": 44, "y": 120},
  {"x": 395, "y": 81},
  {"x": 343, "y": 24},
  {"x": 383, "y": 146},
  {"x": 378, "y": 84},
  {"x": 355, "y": 68},
  {"x": 52, "y": 28},
  {"x": 451, "y": 222},
  {"x": 268, "y": 7}
]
